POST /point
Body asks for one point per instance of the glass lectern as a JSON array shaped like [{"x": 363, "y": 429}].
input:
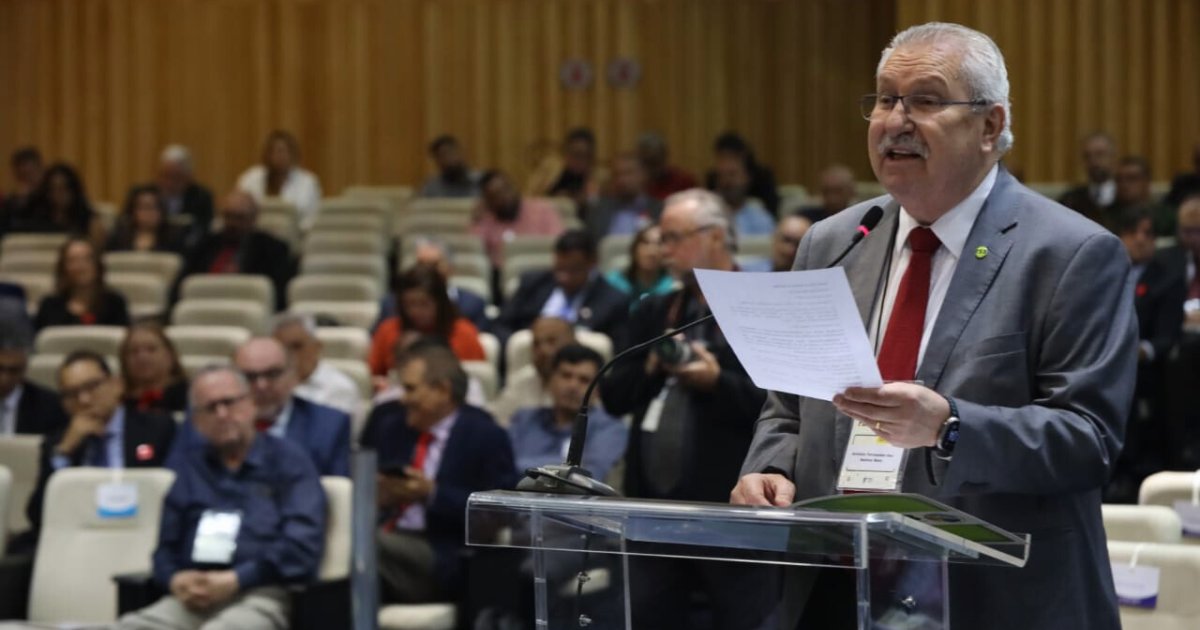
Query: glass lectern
[{"x": 580, "y": 549}]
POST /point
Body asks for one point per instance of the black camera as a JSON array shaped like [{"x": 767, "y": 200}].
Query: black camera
[{"x": 674, "y": 351}]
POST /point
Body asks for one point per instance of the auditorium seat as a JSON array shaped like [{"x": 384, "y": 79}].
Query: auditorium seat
[
  {"x": 193, "y": 363},
  {"x": 346, "y": 264},
  {"x": 79, "y": 551},
  {"x": 461, "y": 264},
  {"x": 362, "y": 314},
  {"x": 395, "y": 196},
  {"x": 1178, "y": 608},
  {"x": 463, "y": 206},
  {"x": 1165, "y": 488},
  {"x": 566, "y": 208},
  {"x": 32, "y": 243},
  {"x": 358, "y": 371},
  {"x": 335, "y": 560},
  {"x": 248, "y": 314},
  {"x": 439, "y": 616},
  {"x": 145, "y": 293},
  {"x": 6, "y": 480},
  {"x": 333, "y": 288},
  {"x": 491, "y": 348},
  {"x": 518, "y": 265},
  {"x": 486, "y": 374},
  {"x": 20, "y": 453},
  {"x": 529, "y": 245},
  {"x": 474, "y": 284},
  {"x": 335, "y": 222},
  {"x": 519, "y": 351},
  {"x": 165, "y": 265},
  {"x": 434, "y": 224},
  {"x": 458, "y": 243},
  {"x": 1142, "y": 523},
  {"x": 283, "y": 227},
  {"x": 37, "y": 285},
  {"x": 613, "y": 246},
  {"x": 67, "y": 339},
  {"x": 321, "y": 243},
  {"x": 344, "y": 342},
  {"x": 207, "y": 340},
  {"x": 28, "y": 262},
  {"x": 756, "y": 246},
  {"x": 229, "y": 286}
]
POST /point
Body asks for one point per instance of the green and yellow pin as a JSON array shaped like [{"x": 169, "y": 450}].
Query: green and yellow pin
[{"x": 981, "y": 252}]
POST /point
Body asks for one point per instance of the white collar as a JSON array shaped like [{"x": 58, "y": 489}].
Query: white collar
[
  {"x": 14, "y": 397},
  {"x": 441, "y": 430},
  {"x": 954, "y": 227},
  {"x": 279, "y": 428}
]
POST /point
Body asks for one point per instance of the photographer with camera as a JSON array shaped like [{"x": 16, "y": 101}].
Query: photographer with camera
[{"x": 694, "y": 410}]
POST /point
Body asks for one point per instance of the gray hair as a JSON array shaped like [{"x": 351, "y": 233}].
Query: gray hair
[
  {"x": 982, "y": 67},
  {"x": 177, "y": 154},
  {"x": 16, "y": 333},
  {"x": 289, "y": 361},
  {"x": 432, "y": 241},
  {"x": 216, "y": 368},
  {"x": 711, "y": 211},
  {"x": 304, "y": 320}
]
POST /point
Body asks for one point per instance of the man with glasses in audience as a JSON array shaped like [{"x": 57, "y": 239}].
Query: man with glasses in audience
[
  {"x": 101, "y": 432},
  {"x": 317, "y": 380},
  {"x": 323, "y": 432},
  {"x": 244, "y": 518}
]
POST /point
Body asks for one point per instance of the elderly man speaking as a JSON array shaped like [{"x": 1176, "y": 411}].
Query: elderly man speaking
[{"x": 1005, "y": 313}]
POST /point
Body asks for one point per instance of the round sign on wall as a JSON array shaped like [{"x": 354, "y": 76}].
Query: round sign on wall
[
  {"x": 576, "y": 74},
  {"x": 624, "y": 72}
]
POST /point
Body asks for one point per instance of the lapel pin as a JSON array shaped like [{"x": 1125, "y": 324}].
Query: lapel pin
[
  {"x": 144, "y": 452},
  {"x": 981, "y": 252}
]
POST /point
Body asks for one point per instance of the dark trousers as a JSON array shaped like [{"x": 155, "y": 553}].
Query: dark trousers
[{"x": 741, "y": 596}]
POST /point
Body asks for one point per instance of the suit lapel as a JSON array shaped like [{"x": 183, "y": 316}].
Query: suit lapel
[
  {"x": 865, "y": 267},
  {"x": 972, "y": 277}
]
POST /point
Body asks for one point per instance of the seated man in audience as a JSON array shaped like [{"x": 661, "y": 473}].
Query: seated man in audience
[
  {"x": 1133, "y": 191},
  {"x": 182, "y": 195},
  {"x": 1182, "y": 262},
  {"x": 504, "y": 214},
  {"x": 541, "y": 435},
  {"x": 25, "y": 407},
  {"x": 750, "y": 218},
  {"x": 388, "y": 390},
  {"x": 837, "y": 193},
  {"x": 573, "y": 290},
  {"x": 527, "y": 386},
  {"x": 1094, "y": 198},
  {"x": 317, "y": 380},
  {"x": 454, "y": 178},
  {"x": 786, "y": 241},
  {"x": 27, "y": 174},
  {"x": 434, "y": 451},
  {"x": 625, "y": 208},
  {"x": 435, "y": 254},
  {"x": 245, "y": 518},
  {"x": 762, "y": 178},
  {"x": 240, "y": 247},
  {"x": 322, "y": 432},
  {"x": 101, "y": 431},
  {"x": 663, "y": 179}
]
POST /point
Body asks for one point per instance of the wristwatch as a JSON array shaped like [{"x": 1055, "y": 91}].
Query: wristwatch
[{"x": 947, "y": 437}]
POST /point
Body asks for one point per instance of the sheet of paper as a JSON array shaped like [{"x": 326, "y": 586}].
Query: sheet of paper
[{"x": 797, "y": 331}]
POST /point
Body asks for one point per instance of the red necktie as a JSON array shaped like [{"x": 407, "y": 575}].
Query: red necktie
[
  {"x": 224, "y": 261},
  {"x": 262, "y": 426},
  {"x": 902, "y": 342},
  {"x": 418, "y": 462}
]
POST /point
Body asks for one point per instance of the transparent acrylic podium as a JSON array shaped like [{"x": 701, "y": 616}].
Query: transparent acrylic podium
[{"x": 580, "y": 550}]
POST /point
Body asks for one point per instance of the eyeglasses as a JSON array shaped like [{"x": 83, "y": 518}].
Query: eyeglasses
[
  {"x": 916, "y": 106},
  {"x": 270, "y": 374},
  {"x": 214, "y": 406},
  {"x": 73, "y": 393},
  {"x": 671, "y": 238}
]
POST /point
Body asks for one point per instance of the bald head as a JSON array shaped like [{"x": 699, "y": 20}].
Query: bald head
[
  {"x": 268, "y": 368},
  {"x": 239, "y": 214},
  {"x": 837, "y": 188}
]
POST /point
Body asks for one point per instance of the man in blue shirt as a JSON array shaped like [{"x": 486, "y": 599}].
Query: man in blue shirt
[
  {"x": 245, "y": 516},
  {"x": 540, "y": 435}
]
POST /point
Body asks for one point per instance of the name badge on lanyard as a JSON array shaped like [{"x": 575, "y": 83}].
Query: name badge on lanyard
[
  {"x": 216, "y": 537},
  {"x": 871, "y": 464}
]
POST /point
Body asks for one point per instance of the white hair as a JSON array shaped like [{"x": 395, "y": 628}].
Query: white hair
[
  {"x": 710, "y": 211},
  {"x": 982, "y": 67},
  {"x": 177, "y": 154},
  {"x": 304, "y": 320}
]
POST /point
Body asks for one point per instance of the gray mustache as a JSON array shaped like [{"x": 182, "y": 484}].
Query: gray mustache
[{"x": 903, "y": 143}]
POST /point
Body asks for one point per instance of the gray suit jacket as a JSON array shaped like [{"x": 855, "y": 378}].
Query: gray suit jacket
[{"x": 1036, "y": 342}]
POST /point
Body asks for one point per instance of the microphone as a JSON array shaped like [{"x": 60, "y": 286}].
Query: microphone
[{"x": 569, "y": 477}]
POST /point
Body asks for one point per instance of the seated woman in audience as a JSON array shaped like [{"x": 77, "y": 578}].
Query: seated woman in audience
[
  {"x": 58, "y": 205},
  {"x": 80, "y": 295},
  {"x": 646, "y": 274},
  {"x": 423, "y": 306},
  {"x": 280, "y": 175},
  {"x": 143, "y": 225},
  {"x": 150, "y": 368}
]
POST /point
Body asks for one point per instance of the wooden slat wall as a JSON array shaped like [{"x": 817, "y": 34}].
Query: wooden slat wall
[
  {"x": 1129, "y": 68},
  {"x": 366, "y": 83}
]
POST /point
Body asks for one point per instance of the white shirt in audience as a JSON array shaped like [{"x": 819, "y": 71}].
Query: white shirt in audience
[
  {"x": 524, "y": 389},
  {"x": 8, "y": 412},
  {"x": 328, "y": 386},
  {"x": 301, "y": 188}
]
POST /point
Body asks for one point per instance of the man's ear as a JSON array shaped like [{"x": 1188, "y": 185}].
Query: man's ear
[{"x": 993, "y": 124}]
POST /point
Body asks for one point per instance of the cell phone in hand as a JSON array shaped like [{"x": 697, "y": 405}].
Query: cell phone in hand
[{"x": 394, "y": 470}]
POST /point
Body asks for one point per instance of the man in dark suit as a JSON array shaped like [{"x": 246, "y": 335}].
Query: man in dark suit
[
  {"x": 574, "y": 291},
  {"x": 101, "y": 431},
  {"x": 434, "y": 451},
  {"x": 25, "y": 407},
  {"x": 1010, "y": 314},
  {"x": 323, "y": 432},
  {"x": 1094, "y": 198},
  {"x": 1183, "y": 368},
  {"x": 186, "y": 200},
  {"x": 241, "y": 248}
]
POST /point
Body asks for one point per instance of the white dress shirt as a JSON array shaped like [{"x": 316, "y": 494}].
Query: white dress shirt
[
  {"x": 8, "y": 413},
  {"x": 1104, "y": 193},
  {"x": 301, "y": 188},
  {"x": 952, "y": 229},
  {"x": 414, "y": 516},
  {"x": 279, "y": 429},
  {"x": 328, "y": 386}
]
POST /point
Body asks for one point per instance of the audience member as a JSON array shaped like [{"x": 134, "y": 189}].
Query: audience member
[
  {"x": 626, "y": 208},
  {"x": 59, "y": 204},
  {"x": 762, "y": 179},
  {"x": 733, "y": 185},
  {"x": 435, "y": 254},
  {"x": 1133, "y": 191},
  {"x": 388, "y": 390},
  {"x": 693, "y": 418},
  {"x": 646, "y": 274},
  {"x": 454, "y": 178},
  {"x": 573, "y": 174},
  {"x": 143, "y": 225},
  {"x": 25, "y": 407},
  {"x": 318, "y": 381},
  {"x": 786, "y": 241},
  {"x": 323, "y": 432},
  {"x": 663, "y": 179},
  {"x": 527, "y": 385},
  {"x": 540, "y": 435},
  {"x": 244, "y": 519},
  {"x": 151, "y": 371},
  {"x": 573, "y": 290},
  {"x": 280, "y": 175},
  {"x": 101, "y": 431},
  {"x": 1158, "y": 294},
  {"x": 434, "y": 451},
  {"x": 423, "y": 307},
  {"x": 837, "y": 193},
  {"x": 1094, "y": 198},
  {"x": 1183, "y": 367},
  {"x": 27, "y": 173},
  {"x": 187, "y": 202},
  {"x": 240, "y": 247},
  {"x": 80, "y": 294},
  {"x": 1186, "y": 184},
  {"x": 503, "y": 214}
]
